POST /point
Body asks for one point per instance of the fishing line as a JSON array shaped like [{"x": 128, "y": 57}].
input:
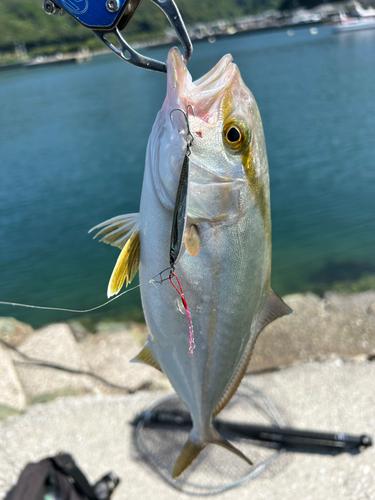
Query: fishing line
[
  {"x": 178, "y": 228},
  {"x": 47, "y": 308}
]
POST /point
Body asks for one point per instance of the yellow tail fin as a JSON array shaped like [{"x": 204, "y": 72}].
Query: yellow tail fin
[{"x": 192, "y": 448}]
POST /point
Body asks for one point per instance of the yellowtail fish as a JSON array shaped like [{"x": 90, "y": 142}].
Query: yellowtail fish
[{"x": 225, "y": 263}]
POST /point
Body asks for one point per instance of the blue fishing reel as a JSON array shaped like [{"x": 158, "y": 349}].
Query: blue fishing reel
[{"x": 106, "y": 17}]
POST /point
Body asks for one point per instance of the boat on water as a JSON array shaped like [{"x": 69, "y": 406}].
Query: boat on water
[
  {"x": 354, "y": 24},
  {"x": 364, "y": 19}
]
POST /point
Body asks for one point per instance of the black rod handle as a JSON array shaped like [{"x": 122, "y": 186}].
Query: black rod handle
[
  {"x": 283, "y": 436},
  {"x": 294, "y": 437}
]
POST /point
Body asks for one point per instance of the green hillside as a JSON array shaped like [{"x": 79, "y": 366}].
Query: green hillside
[{"x": 24, "y": 22}]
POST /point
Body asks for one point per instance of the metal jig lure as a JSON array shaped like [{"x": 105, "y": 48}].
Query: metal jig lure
[
  {"x": 179, "y": 223},
  {"x": 179, "y": 213},
  {"x": 178, "y": 226}
]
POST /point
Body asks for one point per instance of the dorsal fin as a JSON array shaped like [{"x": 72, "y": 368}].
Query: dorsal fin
[
  {"x": 126, "y": 266},
  {"x": 146, "y": 357},
  {"x": 118, "y": 230},
  {"x": 273, "y": 308}
]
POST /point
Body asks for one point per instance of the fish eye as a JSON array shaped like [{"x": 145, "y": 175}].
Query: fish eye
[
  {"x": 236, "y": 134},
  {"x": 233, "y": 135}
]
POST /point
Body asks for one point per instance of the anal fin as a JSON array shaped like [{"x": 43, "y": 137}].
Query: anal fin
[{"x": 146, "y": 357}]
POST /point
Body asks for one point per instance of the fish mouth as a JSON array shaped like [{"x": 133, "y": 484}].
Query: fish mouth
[{"x": 203, "y": 94}]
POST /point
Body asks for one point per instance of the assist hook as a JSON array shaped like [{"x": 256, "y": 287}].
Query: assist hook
[{"x": 189, "y": 136}]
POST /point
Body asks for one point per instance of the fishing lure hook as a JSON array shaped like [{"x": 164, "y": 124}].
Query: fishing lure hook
[{"x": 189, "y": 136}]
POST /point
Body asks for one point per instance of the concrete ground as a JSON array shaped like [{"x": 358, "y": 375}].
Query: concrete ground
[{"x": 328, "y": 396}]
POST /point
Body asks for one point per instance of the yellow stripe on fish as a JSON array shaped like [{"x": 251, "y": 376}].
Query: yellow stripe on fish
[{"x": 238, "y": 138}]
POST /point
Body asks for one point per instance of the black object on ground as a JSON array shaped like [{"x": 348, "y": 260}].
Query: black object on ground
[
  {"x": 284, "y": 436},
  {"x": 59, "y": 478}
]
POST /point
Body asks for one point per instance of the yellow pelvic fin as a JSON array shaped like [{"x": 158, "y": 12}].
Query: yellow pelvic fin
[
  {"x": 146, "y": 357},
  {"x": 273, "y": 308},
  {"x": 126, "y": 266},
  {"x": 192, "y": 240},
  {"x": 192, "y": 449}
]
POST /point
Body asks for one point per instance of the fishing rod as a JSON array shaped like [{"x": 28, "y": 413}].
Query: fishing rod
[
  {"x": 285, "y": 437},
  {"x": 110, "y": 17}
]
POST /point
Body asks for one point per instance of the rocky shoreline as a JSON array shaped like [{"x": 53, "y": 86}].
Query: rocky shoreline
[{"x": 64, "y": 359}]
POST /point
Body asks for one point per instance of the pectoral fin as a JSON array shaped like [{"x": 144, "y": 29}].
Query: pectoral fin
[
  {"x": 122, "y": 232},
  {"x": 192, "y": 240},
  {"x": 146, "y": 357}
]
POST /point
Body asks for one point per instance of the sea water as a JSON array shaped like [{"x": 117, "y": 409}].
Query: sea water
[{"x": 72, "y": 150}]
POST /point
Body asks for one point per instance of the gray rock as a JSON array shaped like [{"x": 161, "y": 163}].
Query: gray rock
[
  {"x": 330, "y": 396},
  {"x": 357, "y": 301},
  {"x": 109, "y": 356},
  {"x": 337, "y": 324},
  {"x": 111, "y": 326},
  {"x": 13, "y": 331},
  {"x": 54, "y": 344},
  {"x": 12, "y": 395},
  {"x": 78, "y": 330}
]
